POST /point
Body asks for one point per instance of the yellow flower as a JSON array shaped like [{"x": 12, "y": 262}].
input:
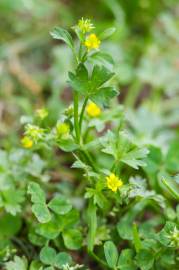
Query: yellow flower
[
  {"x": 26, "y": 142},
  {"x": 85, "y": 25},
  {"x": 113, "y": 182},
  {"x": 93, "y": 110},
  {"x": 92, "y": 42},
  {"x": 42, "y": 113},
  {"x": 62, "y": 129}
]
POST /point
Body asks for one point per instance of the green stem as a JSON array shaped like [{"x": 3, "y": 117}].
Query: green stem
[
  {"x": 90, "y": 160},
  {"x": 92, "y": 223},
  {"x": 82, "y": 112},
  {"x": 76, "y": 123},
  {"x": 136, "y": 238},
  {"x": 132, "y": 95},
  {"x": 171, "y": 190},
  {"x": 96, "y": 258}
]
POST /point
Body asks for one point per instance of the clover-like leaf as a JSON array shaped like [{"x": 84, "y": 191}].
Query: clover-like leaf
[
  {"x": 72, "y": 239},
  {"x": 47, "y": 255},
  {"x": 39, "y": 207},
  {"x": 60, "y": 205}
]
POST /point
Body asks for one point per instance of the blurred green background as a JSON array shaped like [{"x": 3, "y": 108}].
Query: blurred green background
[{"x": 33, "y": 67}]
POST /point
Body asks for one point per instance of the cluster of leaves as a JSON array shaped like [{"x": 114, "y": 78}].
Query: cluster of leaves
[{"x": 134, "y": 225}]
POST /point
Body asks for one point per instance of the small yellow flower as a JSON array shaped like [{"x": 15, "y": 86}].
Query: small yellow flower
[
  {"x": 85, "y": 25},
  {"x": 63, "y": 129},
  {"x": 92, "y": 42},
  {"x": 42, "y": 113},
  {"x": 93, "y": 110},
  {"x": 113, "y": 182},
  {"x": 26, "y": 142}
]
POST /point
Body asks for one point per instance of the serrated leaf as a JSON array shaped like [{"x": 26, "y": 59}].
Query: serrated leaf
[
  {"x": 62, "y": 34},
  {"x": 92, "y": 87},
  {"x": 104, "y": 94},
  {"x": 17, "y": 264},
  {"x": 164, "y": 236},
  {"x": 100, "y": 75}
]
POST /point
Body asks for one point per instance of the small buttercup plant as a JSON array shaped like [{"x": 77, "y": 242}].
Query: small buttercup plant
[{"x": 105, "y": 223}]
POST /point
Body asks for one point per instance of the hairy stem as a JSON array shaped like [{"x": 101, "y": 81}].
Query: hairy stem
[
  {"x": 82, "y": 112},
  {"x": 76, "y": 123}
]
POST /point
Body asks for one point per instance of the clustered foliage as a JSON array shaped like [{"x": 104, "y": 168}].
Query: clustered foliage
[{"x": 122, "y": 212}]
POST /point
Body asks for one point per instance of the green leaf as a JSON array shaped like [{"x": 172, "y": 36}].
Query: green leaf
[
  {"x": 35, "y": 265},
  {"x": 126, "y": 260},
  {"x": 172, "y": 157},
  {"x": 67, "y": 145},
  {"x": 100, "y": 75},
  {"x": 164, "y": 236},
  {"x": 12, "y": 200},
  {"x": 72, "y": 239},
  {"x": 39, "y": 207},
  {"x": 111, "y": 254},
  {"x": 107, "y": 33},
  {"x": 120, "y": 146},
  {"x": 69, "y": 220},
  {"x": 104, "y": 94},
  {"x": 17, "y": 264},
  {"x": 49, "y": 230},
  {"x": 37, "y": 194},
  {"x": 92, "y": 87},
  {"x": 167, "y": 258},
  {"x": 62, "y": 34},
  {"x": 41, "y": 212},
  {"x": 9, "y": 225},
  {"x": 124, "y": 227},
  {"x": 47, "y": 255},
  {"x": 60, "y": 205},
  {"x": 171, "y": 187},
  {"x": 145, "y": 259},
  {"x": 102, "y": 57},
  {"x": 62, "y": 259},
  {"x": 79, "y": 81},
  {"x": 134, "y": 157}
]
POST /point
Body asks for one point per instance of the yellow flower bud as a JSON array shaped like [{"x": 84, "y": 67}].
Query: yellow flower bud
[
  {"x": 85, "y": 25},
  {"x": 42, "y": 113},
  {"x": 93, "y": 110},
  {"x": 62, "y": 129},
  {"x": 26, "y": 142}
]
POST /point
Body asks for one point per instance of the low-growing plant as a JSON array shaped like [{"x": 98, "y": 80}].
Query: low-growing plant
[{"x": 109, "y": 216}]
